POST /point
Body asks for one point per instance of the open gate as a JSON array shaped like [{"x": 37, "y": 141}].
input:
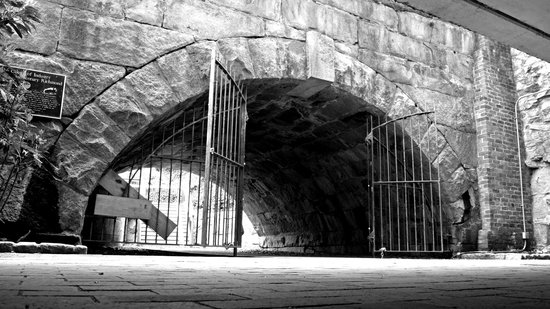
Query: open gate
[
  {"x": 405, "y": 212},
  {"x": 181, "y": 183}
]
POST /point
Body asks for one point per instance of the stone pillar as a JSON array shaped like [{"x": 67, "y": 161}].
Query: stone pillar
[{"x": 498, "y": 171}]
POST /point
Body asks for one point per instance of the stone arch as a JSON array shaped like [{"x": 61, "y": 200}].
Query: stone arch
[{"x": 104, "y": 127}]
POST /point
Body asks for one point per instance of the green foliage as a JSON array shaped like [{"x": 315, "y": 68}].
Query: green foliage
[
  {"x": 17, "y": 17},
  {"x": 21, "y": 144}
]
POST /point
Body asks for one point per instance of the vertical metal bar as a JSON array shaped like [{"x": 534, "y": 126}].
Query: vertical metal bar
[
  {"x": 372, "y": 163},
  {"x": 160, "y": 186},
  {"x": 432, "y": 206},
  {"x": 367, "y": 161},
  {"x": 398, "y": 217},
  {"x": 170, "y": 178},
  {"x": 388, "y": 176},
  {"x": 439, "y": 188},
  {"x": 405, "y": 189},
  {"x": 202, "y": 166},
  {"x": 414, "y": 186},
  {"x": 150, "y": 178},
  {"x": 218, "y": 116},
  {"x": 189, "y": 224},
  {"x": 242, "y": 143},
  {"x": 139, "y": 192},
  {"x": 381, "y": 188},
  {"x": 422, "y": 193},
  {"x": 224, "y": 170},
  {"x": 224, "y": 174},
  {"x": 208, "y": 148},
  {"x": 231, "y": 177},
  {"x": 178, "y": 231}
]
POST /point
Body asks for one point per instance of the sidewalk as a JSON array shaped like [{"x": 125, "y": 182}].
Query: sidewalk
[{"x": 106, "y": 281}]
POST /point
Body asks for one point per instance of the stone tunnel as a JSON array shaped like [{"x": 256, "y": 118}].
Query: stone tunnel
[{"x": 315, "y": 71}]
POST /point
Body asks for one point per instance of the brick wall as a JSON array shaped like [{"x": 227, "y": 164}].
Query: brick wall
[{"x": 499, "y": 184}]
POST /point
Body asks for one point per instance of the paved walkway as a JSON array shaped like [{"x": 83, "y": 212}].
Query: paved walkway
[{"x": 98, "y": 281}]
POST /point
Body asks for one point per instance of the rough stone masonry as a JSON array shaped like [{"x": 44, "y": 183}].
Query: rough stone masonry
[{"x": 130, "y": 63}]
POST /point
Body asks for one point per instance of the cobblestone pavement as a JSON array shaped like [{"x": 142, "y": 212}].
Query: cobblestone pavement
[{"x": 101, "y": 281}]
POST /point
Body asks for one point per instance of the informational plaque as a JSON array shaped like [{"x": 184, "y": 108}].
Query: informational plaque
[{"x": 44, "y": 96}]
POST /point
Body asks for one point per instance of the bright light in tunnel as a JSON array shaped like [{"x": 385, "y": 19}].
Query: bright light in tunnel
[{"x": 177, "y": 195}]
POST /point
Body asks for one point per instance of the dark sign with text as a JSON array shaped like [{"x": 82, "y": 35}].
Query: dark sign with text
[{"x": 44, "y": 96}]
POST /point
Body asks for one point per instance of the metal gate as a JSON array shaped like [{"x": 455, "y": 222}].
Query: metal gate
[
  {"x": 404, "y": 207},
  {"x": 189, "y": 166}
]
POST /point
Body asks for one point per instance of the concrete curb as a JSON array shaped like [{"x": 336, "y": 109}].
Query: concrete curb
[
  {"x": 32, "y": 247},
  {"x": 502, "y": 256}
]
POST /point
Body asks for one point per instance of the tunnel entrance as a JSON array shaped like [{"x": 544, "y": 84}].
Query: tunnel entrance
[
  {"x": 312, "y": 184},
  {"x": 183, "y": 177}
]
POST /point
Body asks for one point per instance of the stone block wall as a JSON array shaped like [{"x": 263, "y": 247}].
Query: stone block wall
[
  {"x": 533, "y": 87},
  {"x": 498, "y": 168},
  {"x": 124, "y": 60}
]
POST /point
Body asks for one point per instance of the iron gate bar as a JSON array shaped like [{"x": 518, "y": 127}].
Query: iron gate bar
[
  {"x": 404, "y": 190},
  {"x": 187, "y": 139}
]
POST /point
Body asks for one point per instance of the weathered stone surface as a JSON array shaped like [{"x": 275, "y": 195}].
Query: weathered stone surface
[
  {"x": 26, "y": 247},
  {"x": 6, "y": 246},
  {"x": 85, "y": 79},
  {"x": 532, "y": 77},
  {"x": 347, "y": 49},
  {"x": 355, "y": 77},
  {"x": 11, "y": 211},
  {"x": 416, "y": 126},
  {"x": 92, "y": 37},
  {"x": 77, "y": 164},
  {"x": 463, "y": 144},
  {"x": 55, "y": 248},
  {"x": 145, "y": 11},
  {"x": 320, "y": 65},
  {"x": 435, "y": 31},
  {"x": 531, "y": 73},
  {"x": 457, "y": 63},
  {"x": 270, "y": 9},
  {"x": 456, "y": 179},
  {"x": 44, "y": 39},
  {"x": 100, "y": 7},
  {"x": 151, "y": 89},
  {"x": 535, "y": 114},
  {"x": 237, "y": 57},
  {"x": 371, "y": 11},
  {"x": 320, "y": 56},
  {"x": 195, "y": 78},
  {"x": 457, "y": 183},
  {"x": 453, "y": 112},
  {"x": 415, "y": 74},
  {"x": 433, "y": 142},
  {"x": 377, "y": 38},
  {"x": 207, "y": 21},
  {"x": 338, "y": 25},
  {"x": 310, "y": 15},
  {"x": 97, "y": 131},
  {"x": 379, "y": 13},
  {"x": 300, "y": 14},
  {"x": 456, "y": 211},
  {"x": 72, "y": 206},
  {"x": 137, "y": 99},
  {"x": 278, "y": 58},
  {"x": 540, "y": 190},
  {"x": 80, "y": 249},
  {"x": 278, "y": 29}
]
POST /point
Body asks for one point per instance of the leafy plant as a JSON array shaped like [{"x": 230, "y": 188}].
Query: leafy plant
[{"x": 21, "y": 144}]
